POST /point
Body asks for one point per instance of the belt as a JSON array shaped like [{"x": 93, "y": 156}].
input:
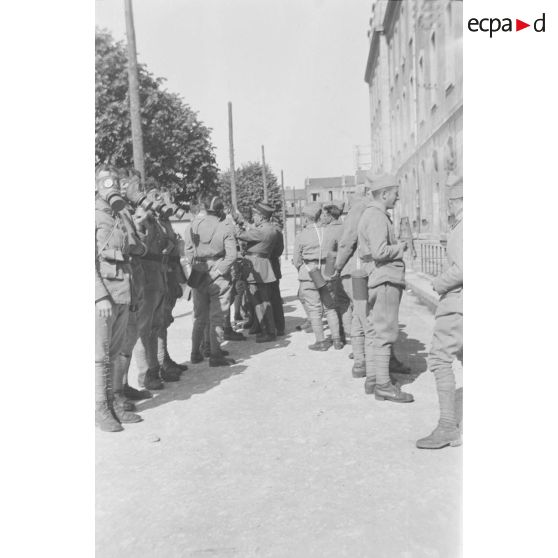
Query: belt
[
  {"x": 312, "y": 261},
  {"x": 264, "y": 256},
  {"x": 159, "y": 258},
  {"x": 208, "y": 258}
]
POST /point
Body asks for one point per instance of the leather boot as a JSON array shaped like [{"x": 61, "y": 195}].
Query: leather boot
[
  {"x": 304, "y": 325},
  {"x": 231, "y": 335},
  {"x": 169, "y": 375},
  {"x": 359, "y": 369},
  {"x": 255, "y": 329},
  {"x": 265, "y": 336},
  {"x": 120, "y": 399},
  {"x": 135, "y": 394},
  {"x": 104, "y": 418},
  {"x": 391, "y": 392},
  {"x": 122, "y": 415},
  {"x": 338, "y": 344},
  {"x": 152, "y": 380},
  {"x": 220, "y": 361},
  {"x": 441, "y": 437},
  {"x": 195, "y": 358},
  {"x": 320, "y": 345}
]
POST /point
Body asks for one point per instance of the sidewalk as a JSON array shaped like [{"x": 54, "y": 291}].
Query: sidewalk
[{"x": 281, "y": 456}]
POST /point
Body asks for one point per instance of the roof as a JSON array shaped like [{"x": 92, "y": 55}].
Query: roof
[{"x": 330, "y": 182}]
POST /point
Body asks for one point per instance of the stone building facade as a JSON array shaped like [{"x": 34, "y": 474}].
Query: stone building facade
[{"x": 414, "y": 74}]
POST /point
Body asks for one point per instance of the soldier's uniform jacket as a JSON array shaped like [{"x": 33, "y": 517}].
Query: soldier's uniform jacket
[
  {"x": 138, "y": 275},
  {"x": 154, "y": 239},
  {"x": 175, "y": 274},
  {"x": 309, "y": 251},
  {"x": 381, "y": 257},
  {"x": 346, "y": 247},
  {"x": 277, "y": 252},
  {"x": 450, "y": 283},
  {"x": 210, "y": 245},
  {"x": 112, "y": 267},
  {"x": 332, "y": 235},
  {"x": 260, "y": 242}
]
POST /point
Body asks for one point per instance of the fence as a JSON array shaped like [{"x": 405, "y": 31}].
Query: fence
[{"x": 431, "y": 258}]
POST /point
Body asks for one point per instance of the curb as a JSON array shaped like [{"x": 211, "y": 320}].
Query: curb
[{"x": 419, "y": 285}]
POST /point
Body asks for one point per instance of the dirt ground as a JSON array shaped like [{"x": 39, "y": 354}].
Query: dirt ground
[{"x": 281, "y": 455}]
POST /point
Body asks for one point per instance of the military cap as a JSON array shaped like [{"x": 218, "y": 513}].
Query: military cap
[
  {"x": 263, "y": 209},
  {"x": 454, "y": 185},
  {"x": 312, "y": 209},
  {"x": 381, "y": 181}
]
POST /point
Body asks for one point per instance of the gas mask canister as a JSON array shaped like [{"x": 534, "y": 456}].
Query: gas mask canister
[
  {"x": 108, "y": 188},
  {"x": 134, "y": 195},
  {"x": 159, "y": 205}
]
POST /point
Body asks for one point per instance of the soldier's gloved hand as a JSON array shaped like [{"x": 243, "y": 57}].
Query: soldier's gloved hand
[
  {"x": 336, "y": 274},
  {"x": 103, "y": 308}
]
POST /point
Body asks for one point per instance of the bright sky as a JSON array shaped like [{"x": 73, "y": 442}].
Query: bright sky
[{"x": 293, "y": 70}]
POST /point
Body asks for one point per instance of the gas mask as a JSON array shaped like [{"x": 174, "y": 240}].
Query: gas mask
[
  {"x": 159, "y": 205},
  {"x": 138, "y": 198},
  {"x": 178, "y": 210},
  {"x": 108, "y": 188}
]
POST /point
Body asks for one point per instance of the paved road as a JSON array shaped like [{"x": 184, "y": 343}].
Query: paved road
[{"x": 281, "y": 455}]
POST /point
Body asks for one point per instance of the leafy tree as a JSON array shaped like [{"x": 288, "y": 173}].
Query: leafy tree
[
  {"x": 178, "y": 150},
  {"x": 249, "y": 189}
]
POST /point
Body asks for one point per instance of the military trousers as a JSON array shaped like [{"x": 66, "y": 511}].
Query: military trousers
[
  {"x": 277, "y": 306},
  {"x": 313, "y": 301},
  {"x": 260, "y": 296},
  {"x": 109, "y": 336},
  {"x": 141, "y": 334},
  {"x": 341, "y": 287},
  {"x": 172, "y": 294},
  {"x": 211, "y": 301},
  {"x": 447, "y": 344},
  {"x": 382, "y": 323}
]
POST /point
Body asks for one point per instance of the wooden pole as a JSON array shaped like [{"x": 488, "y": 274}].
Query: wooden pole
[
  {"x": 231, "y": 159},
  {"x": 284, "y": 217},
  {"x": 294, "y": 210},
  {"x": 133, "y": 85},
  {"x": 264, "y": 176}
]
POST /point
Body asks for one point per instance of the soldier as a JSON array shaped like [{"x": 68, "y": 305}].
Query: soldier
[
  {"x": 348, "y": 263},
  {"x": 210, "y": 251},
  {"x": 338, "y": 281},
  {"x": 112, "y": 296},
  {"x": 309, "y": 259},
  {"x": 260, "y": 242},
  {"x": 170, "y": 370},
  {"x": 447, "y": 339},
  {"x": 276, "y": 300},
  {"x": 382, "y": 257}
]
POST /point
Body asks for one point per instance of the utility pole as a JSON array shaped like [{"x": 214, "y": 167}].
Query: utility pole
[
  {"x": 231, "y": 158},
  {"x": 284, "y": 217},
  {"x": 133, "y": 84},
  {"x": 294, "y": 210},
  {"x": 264, "y": 176}
]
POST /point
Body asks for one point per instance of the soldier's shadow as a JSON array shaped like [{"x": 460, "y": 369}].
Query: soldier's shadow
[
  {"x": 198, "y": 379},
  {"x": 411, "y": 352}
]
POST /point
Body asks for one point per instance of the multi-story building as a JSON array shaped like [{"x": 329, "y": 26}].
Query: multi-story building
[{"x": 414, "y": 74}]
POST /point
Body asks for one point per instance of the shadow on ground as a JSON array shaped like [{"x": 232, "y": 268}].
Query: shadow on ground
[
  {"x": 200, "y": 378},
  {"x": 412, "y": 352}
]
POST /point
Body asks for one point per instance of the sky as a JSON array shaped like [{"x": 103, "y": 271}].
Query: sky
[{"x": 293, "y": 70}]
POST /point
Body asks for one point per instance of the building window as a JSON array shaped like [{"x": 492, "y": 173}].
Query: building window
[
  {"x": 421, "y": 89},
  {"x": 315, "y": 197},
  {"x": 449, "y": 56},
  {"x": 433, "y": 62},
  {"x": 330, "y": 195}
]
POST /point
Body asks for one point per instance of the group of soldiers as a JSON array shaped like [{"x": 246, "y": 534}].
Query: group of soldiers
[
  {"x": 141, "y": 269},
  {"x": 352, "y": 273}
]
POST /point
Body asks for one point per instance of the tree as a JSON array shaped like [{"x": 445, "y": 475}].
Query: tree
[
  {"x": 178, "y": 150},
  {"x": 249, "y": 189}
]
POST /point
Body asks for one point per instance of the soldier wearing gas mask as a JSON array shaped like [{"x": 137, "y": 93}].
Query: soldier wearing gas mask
[
  {"x": 174, "y": 276},
  {"x": 113, "y": 296}
]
